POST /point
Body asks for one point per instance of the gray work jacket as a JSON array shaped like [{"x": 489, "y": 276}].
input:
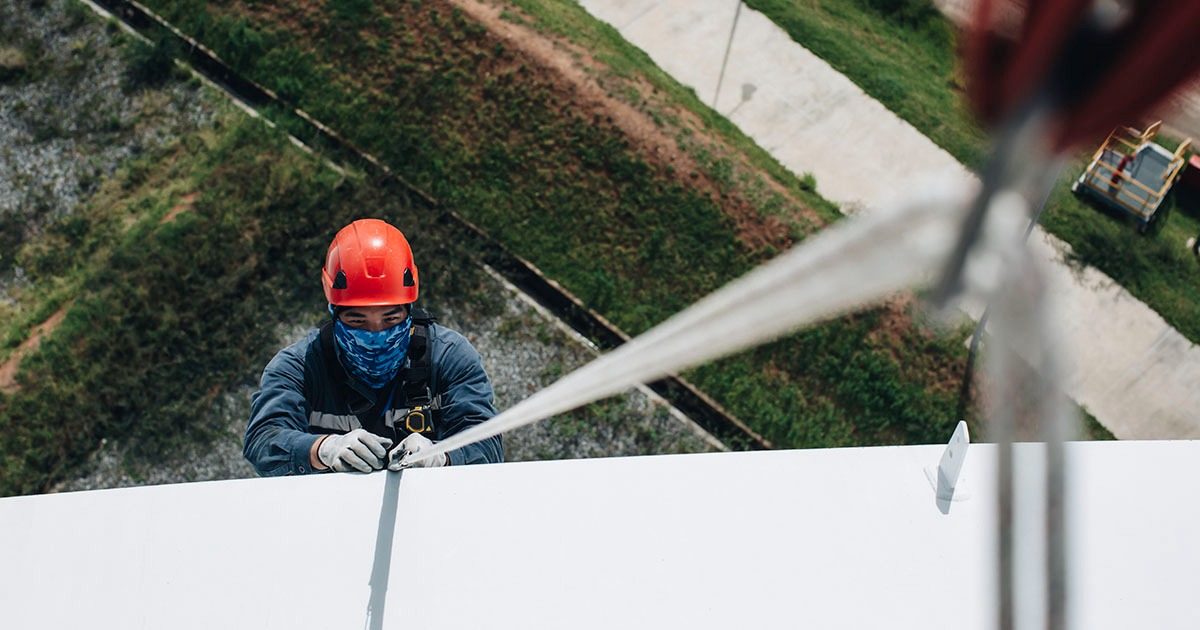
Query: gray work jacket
[{"x": 303, "y": 395}]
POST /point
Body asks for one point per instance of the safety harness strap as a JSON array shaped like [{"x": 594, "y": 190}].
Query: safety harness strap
[
  {"x": 416, "y": 401},
  {"x": 418, "y": 374}
]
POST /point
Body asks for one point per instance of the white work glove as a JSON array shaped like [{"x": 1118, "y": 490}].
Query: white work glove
[
  {"x": 412, "y": 444},
  {"x": 358, "y": 450}
]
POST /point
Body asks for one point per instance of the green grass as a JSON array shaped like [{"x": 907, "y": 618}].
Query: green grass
[
  {"x": 1091, "y": 429},
  {"x": 456, "y": 111},
  {"x": 480, "y": 130},
  {"x": 165, "y": 310},
  {"x": 569, "y": 20},
  {"x": 160, "y": 315},
  {"x": 903, "y": 54},
  {"x": 856, "y": 387},
  {"x": 1156, "y": 267}
]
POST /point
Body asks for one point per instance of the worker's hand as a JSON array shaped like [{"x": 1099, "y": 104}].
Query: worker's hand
[
  {"x": 358, "y": 450},
  {"x": 413, "y": 444}
]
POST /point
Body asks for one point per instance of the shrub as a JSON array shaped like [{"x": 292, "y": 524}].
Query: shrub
[
  {"x": 149, "y": 65},
  {"x": 13, "y": 64}
]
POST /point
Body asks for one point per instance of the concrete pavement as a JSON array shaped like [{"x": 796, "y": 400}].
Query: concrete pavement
[{"x": 1138, "y": 376}]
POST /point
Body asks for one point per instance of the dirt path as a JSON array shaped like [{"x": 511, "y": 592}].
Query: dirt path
[
  {"x": 8, "y": 370},
  {"x": 577, "y": 70}
]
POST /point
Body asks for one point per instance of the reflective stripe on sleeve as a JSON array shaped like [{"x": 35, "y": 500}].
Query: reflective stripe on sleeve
[{"x": 333, "y": 422}]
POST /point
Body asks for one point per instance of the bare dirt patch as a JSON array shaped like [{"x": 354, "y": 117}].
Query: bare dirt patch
[
  {"x": 575, "y": 70},
  {"x": 897, "y": 318},
  {"x": 185, "y": 203},
  {"x": 8, "y": 370},
  {"x": 583, "y": 86},
  {"x": 900, "y": 331}
]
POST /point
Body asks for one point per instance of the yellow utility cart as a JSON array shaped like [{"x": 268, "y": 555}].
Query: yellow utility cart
[{"x": 1131, "y": 173}]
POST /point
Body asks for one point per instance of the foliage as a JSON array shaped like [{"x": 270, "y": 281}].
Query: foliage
[
  {"x": 1155, "y": 267},
  {"x": 848, "y": 390},
  {"x": 168, "y": 312},
  {"x": 921, "y": 16},
  {"x": 170, "y": 306},
  {"x": 497, "y": 140},
  {"x": 149, "y": 65},
  {"x": 623, "y": 60}
]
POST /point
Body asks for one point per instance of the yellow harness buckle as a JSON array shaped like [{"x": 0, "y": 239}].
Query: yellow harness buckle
[{"x": 416, "y": 422}]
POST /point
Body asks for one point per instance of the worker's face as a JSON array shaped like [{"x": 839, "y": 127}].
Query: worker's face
[{"x": 374, "y": 318}]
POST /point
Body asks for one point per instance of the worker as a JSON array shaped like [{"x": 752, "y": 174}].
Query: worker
[
  {"x": 379, "y": 373},
  {"x": 1117, "y": 173}
]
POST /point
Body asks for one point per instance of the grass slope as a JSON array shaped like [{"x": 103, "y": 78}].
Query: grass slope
[
  {"x": 162, "y": 314},
  {"x": 173, "y": 276},
  {"x": 498, "y": 139}
]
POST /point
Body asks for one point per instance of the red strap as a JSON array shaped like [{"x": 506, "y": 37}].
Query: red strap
[
  {"x": 1162, "y": 52},
  {"x": 1103, "y": 78}
]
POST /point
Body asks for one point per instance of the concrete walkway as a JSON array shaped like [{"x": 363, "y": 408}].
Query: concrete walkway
[{"x": 1134, "y": 373}]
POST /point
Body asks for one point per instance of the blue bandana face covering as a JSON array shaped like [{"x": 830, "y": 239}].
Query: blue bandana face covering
[{"x": 373, "y": 357}]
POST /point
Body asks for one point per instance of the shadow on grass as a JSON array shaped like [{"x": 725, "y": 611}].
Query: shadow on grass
[
  {"x": 1183, "y": 200},
  {"x": 1187, "y": 201}
]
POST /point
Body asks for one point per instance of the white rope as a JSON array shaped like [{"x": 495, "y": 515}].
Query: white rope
[{"x": 849, "y": 265}]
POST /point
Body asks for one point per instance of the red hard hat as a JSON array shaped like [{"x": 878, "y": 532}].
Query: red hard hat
[{"x": 369, "y": 263}]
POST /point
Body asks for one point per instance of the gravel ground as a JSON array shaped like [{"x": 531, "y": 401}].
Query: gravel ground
[
  {"x": 68, "y": 119},
  {"x": 95, "y": 126}
]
